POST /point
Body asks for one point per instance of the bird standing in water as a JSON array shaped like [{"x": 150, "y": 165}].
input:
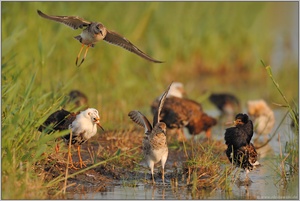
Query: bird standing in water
[
  {"x": 228, "y": 104},
  {"x": 93, "y": 32},
  {"x": 240, "y": 151},
  {"x": 155, "y": 146}
]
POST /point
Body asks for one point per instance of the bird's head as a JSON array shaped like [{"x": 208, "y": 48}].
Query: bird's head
[
  {"x": 176, "y": 90},
  {"x": 94, "y": 116},
  {"x": 160, "y": 127},
  {"x": 241, "y": 119},
  {"x": 99, "y": 29}
]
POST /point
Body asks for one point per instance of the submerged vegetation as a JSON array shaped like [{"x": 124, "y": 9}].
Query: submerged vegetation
[{"x": 218, "y": 48}]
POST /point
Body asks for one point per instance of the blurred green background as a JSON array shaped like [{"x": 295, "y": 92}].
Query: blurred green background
[{"x": 208, "y": 46}]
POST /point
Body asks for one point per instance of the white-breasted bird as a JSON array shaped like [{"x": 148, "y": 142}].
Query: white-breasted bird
[
  {"x": 83, "y": 126},
  {"x": 94, "y": 32}
]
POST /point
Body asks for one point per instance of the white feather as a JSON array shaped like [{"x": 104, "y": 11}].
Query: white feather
[{"x": 84, "y": 123}]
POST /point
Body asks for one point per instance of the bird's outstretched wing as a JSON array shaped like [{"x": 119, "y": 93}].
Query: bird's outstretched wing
[
  {"x": 72, "y": 21},
  {"x": 116, "y": 39},
  {"x": 156, "y": 117},
  {"x": 141, "y": 120}
]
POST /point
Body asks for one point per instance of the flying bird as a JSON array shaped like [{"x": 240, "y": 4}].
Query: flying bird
[
  {"x": 83, "y": 126},
  {"x": 155, "y": 146},
  {"x": 93, "y": 32},
  {"x": 240, "y": 151}
]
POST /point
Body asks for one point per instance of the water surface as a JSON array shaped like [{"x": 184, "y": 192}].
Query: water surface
[{"x": 266, "y": 181}]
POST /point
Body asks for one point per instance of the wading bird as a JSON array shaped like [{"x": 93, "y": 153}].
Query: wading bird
[
  {"x": 93, "y": 32},
  {"x": 155, "y": 146},
  {"x": 240, "y": 151},
  {"x": 83, "y": 126},
  {"x": 228, "y": 104},
  {"x": 263, "y": 117},
  {"x": 179, "y": 113},
  {"x": 78, "y": 98}
]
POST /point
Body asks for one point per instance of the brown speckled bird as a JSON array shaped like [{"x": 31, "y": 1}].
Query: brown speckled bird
[
  {"x": 179, "y": 113},
  {"x": 155, "y": 146},
  {"x": 94, "y": 32}
]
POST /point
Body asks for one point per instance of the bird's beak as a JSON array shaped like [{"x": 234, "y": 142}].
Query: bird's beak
[
  {"x": 235, "y": 123},
  {"x": 98, "y": 124}
]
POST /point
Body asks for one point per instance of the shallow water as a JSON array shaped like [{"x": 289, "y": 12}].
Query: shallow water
[{"x": 266, "y": 181}]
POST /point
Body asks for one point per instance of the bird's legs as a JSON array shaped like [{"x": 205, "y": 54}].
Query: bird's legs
[
  {"x": 151, "y": 165},
  {"x": 208, "y": 133},
  {"x": 247, "y": 177},
  {"x": 69, "y": 153},
  {"x": 153, "y": 182},
  {"x": 79, "y": 54},
  {"x": 70, "y": 160},
  {"x": 80, "y": 159},
  {"x": 86, "y": 50},
  {"x": 163, "y": 162},
  {"x": 163, "y": 175},
  {"x": 57, "y": 148},
  {"x": 181, "y": 137}
]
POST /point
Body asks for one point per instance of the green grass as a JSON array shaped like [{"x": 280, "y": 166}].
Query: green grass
[
  {"x": 213, "y": 46},
  {"x": 289, "y": 157}
]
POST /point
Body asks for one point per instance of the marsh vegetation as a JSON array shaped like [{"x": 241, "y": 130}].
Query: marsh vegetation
[{"x": 208, "y": 46}]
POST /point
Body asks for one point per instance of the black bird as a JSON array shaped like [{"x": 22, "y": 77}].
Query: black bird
[
  {"x": 227, "y": 103},
  {"x": 78, "y": 98},
  {"x": 240, "y": 151}
]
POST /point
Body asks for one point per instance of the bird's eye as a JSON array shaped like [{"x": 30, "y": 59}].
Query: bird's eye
[{"x": 98, "y": 30}]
